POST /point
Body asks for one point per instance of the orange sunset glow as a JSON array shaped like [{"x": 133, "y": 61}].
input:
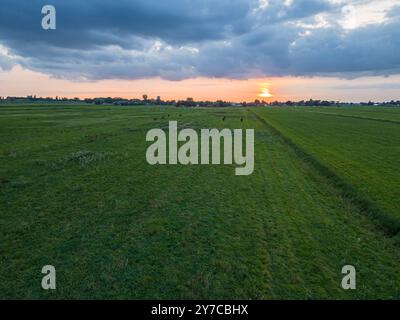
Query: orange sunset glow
[{"x": 21, "y": 82}]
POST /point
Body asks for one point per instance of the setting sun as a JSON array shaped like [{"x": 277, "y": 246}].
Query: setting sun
[{"x": 265, "y": 93}]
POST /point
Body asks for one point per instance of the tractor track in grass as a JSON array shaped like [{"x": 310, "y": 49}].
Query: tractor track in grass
[{"x": 389, "y": 225}]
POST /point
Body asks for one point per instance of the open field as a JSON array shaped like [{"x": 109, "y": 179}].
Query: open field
[
  {"x": 76, "y": 192},
  {"x": 363, "y": 153}
]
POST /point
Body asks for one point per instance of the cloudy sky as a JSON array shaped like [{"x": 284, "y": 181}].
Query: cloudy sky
[{"x": 207, "y": 49}]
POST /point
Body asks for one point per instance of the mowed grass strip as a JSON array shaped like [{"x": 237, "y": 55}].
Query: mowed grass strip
[
  {"x": 390, "y": 114},
  {"x": 364, "y": 154},
  {"x": 78, "y": 193}
]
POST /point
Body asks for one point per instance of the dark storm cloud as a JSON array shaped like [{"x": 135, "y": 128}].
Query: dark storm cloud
[
  {"x": 178, "y": 39},
  {"x": 82, "y": 24}
]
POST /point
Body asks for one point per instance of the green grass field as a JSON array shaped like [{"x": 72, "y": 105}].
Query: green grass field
[{"x": 76, "y": 192}]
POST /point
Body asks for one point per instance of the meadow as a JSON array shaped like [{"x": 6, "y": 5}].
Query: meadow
[
  {"x": 76, "y": 192},
  {"x": 360, "y": 147}
]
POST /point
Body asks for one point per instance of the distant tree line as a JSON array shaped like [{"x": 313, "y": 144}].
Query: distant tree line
[{"x": 190, "y": 102}]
